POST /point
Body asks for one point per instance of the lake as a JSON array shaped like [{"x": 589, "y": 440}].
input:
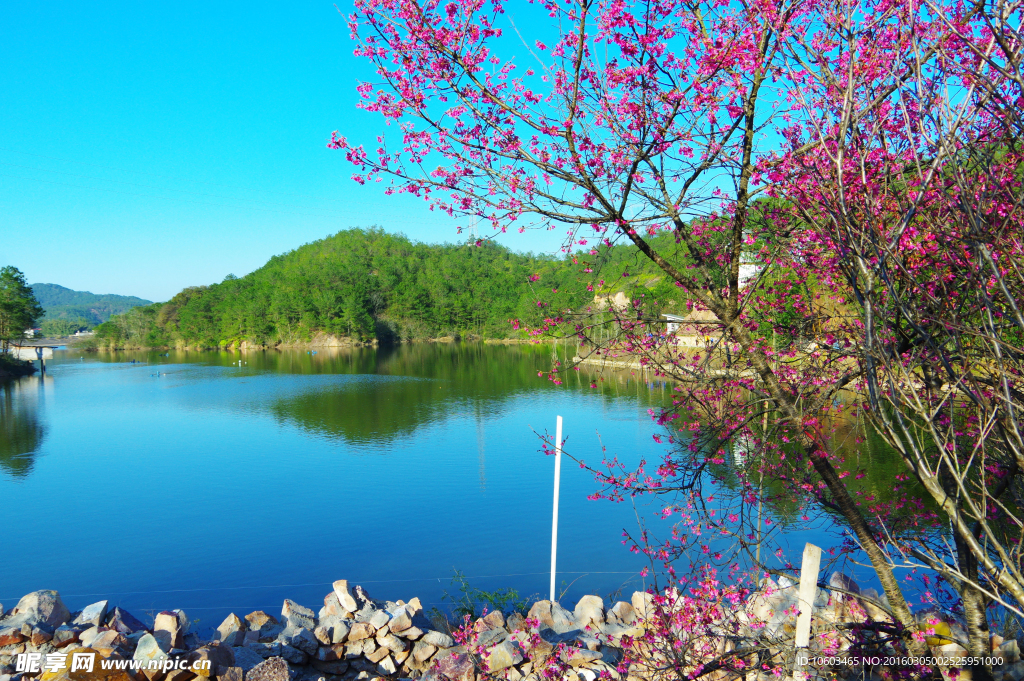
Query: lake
[{"x": 225, "y": 482}]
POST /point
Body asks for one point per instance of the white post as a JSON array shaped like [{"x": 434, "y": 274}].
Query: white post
[
  {"x": 554, "y": 514},
  {"x": 805, "y": 599}
]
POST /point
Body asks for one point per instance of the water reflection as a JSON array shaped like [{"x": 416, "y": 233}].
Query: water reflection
[{"x": 21, "y": 431}]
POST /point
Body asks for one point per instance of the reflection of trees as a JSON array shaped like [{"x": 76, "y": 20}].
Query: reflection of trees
[{"x": 21, "y": 433}]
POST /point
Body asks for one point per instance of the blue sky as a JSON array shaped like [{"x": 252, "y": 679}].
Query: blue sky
[{"x": 146, "y": 147}]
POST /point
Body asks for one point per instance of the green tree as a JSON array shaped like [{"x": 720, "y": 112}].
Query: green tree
[{"x": 19, "y": 308}]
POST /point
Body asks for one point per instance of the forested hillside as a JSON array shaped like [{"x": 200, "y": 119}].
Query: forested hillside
[
  {"x": 366, "y": 284},
  {"x": 64, "y": 303}
]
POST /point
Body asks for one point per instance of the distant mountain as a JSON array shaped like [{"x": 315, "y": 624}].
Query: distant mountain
[{"x": 63, "y": 303}]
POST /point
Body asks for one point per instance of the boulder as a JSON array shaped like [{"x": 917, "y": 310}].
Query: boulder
[
  {"x": 332, "y": 608},
  {"x": 323, "y": 635},
  {"x": 61, "y": 671},
  {"x": 266, "y": 650},
  {"x": 412, "y": 633},
  {"x": 840, "y": 581},
  {"x": 643, "y": 603},
  {"x": 167, "y": 630},
  {"x": 230, "y": 674},
  {"x": 10, "y": 636},
  {"x": 590, "y": 611},
  {"x": 580, "y": 657},
  {"x": 455, "y": 664},
  {"x": 334, "y": 668},
  {"x": 490, "y": 637},
  {"x": 361, "y": 630},
  {"x": 298, "y": 615},
  {"x": 215, "y": 654},
  {"x": 554, "y": 616},
  {"x": 183, "y": 622},
  {"x": 362, "y": 598},
  {"x": 494, "y": 619},
  {"x": 377, "y": 655},
  {"x": 344, "y": 596},
  {"x": 400, "y": 620},
  {"x": 259, "y": 620},
  {"x": 436, "y": 638},
  {"x": 621, "y": 613},
  {"x": 293, "y": 655},
  {"x": 299, "y": 638},
  {"x": 503, "y": 656},
  {"x": 93, "y": 615},
  {"x": 515, "y": 622},
  {"x": 392, "y": 643},
  {"x": 231, "y": 631},
  {"x": 339, "y": 632},
  {"x": 379, "y": 619},
  {"x": 108, "y": 641},
  {"x": 65, "y": 635},
  {"x": 39, "y": 607},
  {"x": 274, "y": 669},
  {"x": 87, "y": 636},
  {"x": 148, "y": 649},
  {"x": 421, "y": 652},
  {"x": 387, "y": 666},
  {"x": 245, "y": 658},
  {"x": 123, "y": 621}
]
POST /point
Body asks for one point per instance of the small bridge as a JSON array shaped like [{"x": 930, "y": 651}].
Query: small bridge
[{"x": 34, "y": 352}]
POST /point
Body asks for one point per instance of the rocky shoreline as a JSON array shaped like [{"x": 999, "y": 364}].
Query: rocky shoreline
[{"x": 355, "y": 637}]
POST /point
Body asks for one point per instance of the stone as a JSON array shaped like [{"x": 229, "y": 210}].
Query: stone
[
  {"x": 412, "y": 633},
  {"x": 344, "y": 596},
  {"x": 298, "y": 615},
  {"x": 180, "y": 675},
  {"x": 87, "y": 636},
  {"x": 589, "y": 642},
  {"x": 40, "y": 635},
  {"x": 589, "y": 611},
  {"x": 436, "y": 638},
  {"x": 231, "y": 631},
  {"x": 490, "y": 637},
  {"x": 361, "y": 630},
  {"x": 270, "y": 633},
  {"x": 339, "y": 632},
  {"x": 402, "y": 656},
  {"x": 251, "y": 637},
  {"x": 258, "y": 619},
  {"x": 414, "y": 607},
  {"x": 302, "y": 639},
  {"x": 503, "y": 656},
  {"x": 332, "y": 608},
  {"x": 392, "y": 643},
  {"x": 455, "y": 664},
  {"x": 167, "y": 630},
  {"x": 335, "y": 668},
  {"x": 62, "y": 672},
  {"x": 323, "y": 635},
  {"x": 421, "y": 652},
  {"x": 621, "y": 613},
  {"x": 293, "y": 655},
  {"x": 183, "y": 622},
  {"x": 123, "y": 621},
  {"x": 231, "y": 674},
  {"x": 108, "y": 641},
  {"x": 379, "y": 619},
  {"x": 387, "y": 666},
  {"x": 553, "y": 616},
  {"x": 274, "y": 669},
  {"x": 149, "y": 649},
  {"x": 362, "y": 598},
  {"x": 266, "y": 650},
  {"x": 215, "y": 654},
  {"x": 1009, "y": 651},
  {"x": 65, "y": 635},
  {"x": 39, "y": 607},
  {"x": 837, "y": 580},
  {"x": 580, "y": 657},
  {"x": 400, "y": 620},
  {"x": 643, "y": 603},
  {"x": 93, "y": 615},
  {"x": 246, "y": 658},
  {"x": 377, "y": 655},
  {"x": 10, "y": 636}
]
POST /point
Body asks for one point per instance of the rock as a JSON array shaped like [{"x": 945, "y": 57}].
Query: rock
[
  {"x": 344, "y": 596},
  {"x": 503, "y": 656},
  {"x": 392, "y": 643},
  {"x": 387, "y": 666},
  {"x": 231, "y": 631},
  {"x": 580, "y": 657},
  {"x": 589, "y": 642},
  {"x": 332, "y": 608},
  {"x": 274, "y": 669},
  {"x": 167, "y": 630},
  {"x": 589, "y": 611},
  {"x": 266, "y": 650},
  {"x": 323, "y": 635},
  {"x": 840, "y": 581},
  {"x": 490, "y": 637},
  {"x": 621, "y": 613},
  {"x": 39, "y": 607},
  {"x": 298, "y": 615},
  {"x": 40, "y": 635},
  {"x": 231, "y": 673},
  {"x": 258, "y": 620},
  {"x": 93, "y": 615},
  {"x": 455, "y": 664},
  {"x": 553, "y": 616},
  {"x": 123, "y": 621},
  {"x": 270, "y": 633},
  {"x": 335, "y": 668},
  {"x": 643, "y": 604},
  {"x": 65, "y": 635},
  {"x": 216, "y": 654},
  {"x": 421, "y": 652},
  {"x": 251, "y": 637},
  {"x": 339, "y": 632},
  {"x": 246, "y": 658},
  {"x": 61, "y": 671},
  {"x": 414, "y": 607},
  {"x": 362, "y": 598},
  {"x": 302, "y": 639},
  {"x": 1009, "y": 651},
  {"x": 149, "y": 649},
  {"x": 400, "y": 620},
  {"x": 10, "y": 636},
  {"x": 377, "y": 655},
  {"x": 412, "y": 633},
  {"x": 515, "y": 622},
  {"x": 436, "y": 638},
  {"x": 379, "y": 619},
  {"x": 183, "y": 622},
  {"x": 293, "y": 655},
  {"x": 180, "y": 675},
  {"x": 494, "y": 619},
  {"x": 109, "y": 640},
  {"x": 87, "y": 636},
  {"x": 361, "y": 630}
]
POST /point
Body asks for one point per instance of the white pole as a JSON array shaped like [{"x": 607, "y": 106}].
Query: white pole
[{"x": 554, "y": 514}]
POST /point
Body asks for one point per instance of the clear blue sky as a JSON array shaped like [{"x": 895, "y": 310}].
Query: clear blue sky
[{"x": 146, "y": 147}]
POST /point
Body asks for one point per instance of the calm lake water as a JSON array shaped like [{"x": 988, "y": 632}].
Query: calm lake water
[{"x": 192, "y": 481}]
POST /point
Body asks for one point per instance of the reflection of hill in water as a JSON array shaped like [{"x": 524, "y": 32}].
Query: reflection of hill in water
[
  {"x": 21, "y": 433},
  {"x": 408, "y": 387}
]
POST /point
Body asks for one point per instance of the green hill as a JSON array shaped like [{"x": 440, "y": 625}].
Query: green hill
[
  {"x": 64, "y": 303},
  {"x": 368, "y": 284}
]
